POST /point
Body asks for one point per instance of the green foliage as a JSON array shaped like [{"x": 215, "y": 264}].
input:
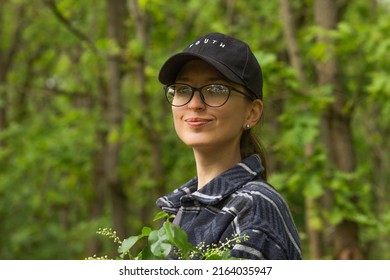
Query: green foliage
[
  {"x": 168, "y": 241},
  {"x": 48, "y": 166}
]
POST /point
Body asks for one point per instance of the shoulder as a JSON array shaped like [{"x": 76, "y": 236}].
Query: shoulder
[
  {"x": 270, "y": 220},
  {"x": 261, "y": 191},
  {"x": 259, "y": 200}
]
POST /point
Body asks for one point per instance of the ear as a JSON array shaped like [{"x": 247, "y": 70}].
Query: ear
[{"x": 255, "y": 112}]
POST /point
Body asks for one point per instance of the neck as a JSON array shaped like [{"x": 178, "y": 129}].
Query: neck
[{"x": 210, "y": 164}]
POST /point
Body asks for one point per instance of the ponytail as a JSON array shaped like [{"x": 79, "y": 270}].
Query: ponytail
[{"x": 250, "y": 144}]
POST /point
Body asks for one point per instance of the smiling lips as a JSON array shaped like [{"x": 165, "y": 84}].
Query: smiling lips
[{"x": 196, "y": 122}]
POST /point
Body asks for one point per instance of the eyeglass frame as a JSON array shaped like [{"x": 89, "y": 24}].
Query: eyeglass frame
[{"x": 199, "y": 89}]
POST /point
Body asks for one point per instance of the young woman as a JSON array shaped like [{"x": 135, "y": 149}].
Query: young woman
[{"x": 215, "y": 89}]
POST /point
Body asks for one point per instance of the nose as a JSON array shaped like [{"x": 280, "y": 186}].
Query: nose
[{"x": 196, "y": 101}]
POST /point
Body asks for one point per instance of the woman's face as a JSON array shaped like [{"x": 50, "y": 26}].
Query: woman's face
[{"x": 202, "y": 127}]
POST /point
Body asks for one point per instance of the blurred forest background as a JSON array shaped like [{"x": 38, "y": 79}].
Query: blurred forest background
[{"x": 86, "y": 136}]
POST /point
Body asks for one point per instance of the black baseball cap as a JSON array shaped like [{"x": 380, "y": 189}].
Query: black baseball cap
[{"x": 231, "y": 57}]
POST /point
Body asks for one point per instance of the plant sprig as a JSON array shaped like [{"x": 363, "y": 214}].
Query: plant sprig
[{"x": 168, "y": 241}]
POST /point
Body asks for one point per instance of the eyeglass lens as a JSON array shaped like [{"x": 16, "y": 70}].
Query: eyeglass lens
[{"x": 212, "y": 95}]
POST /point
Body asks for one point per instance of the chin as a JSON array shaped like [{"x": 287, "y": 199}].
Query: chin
[{"x": 197, "y": 143}]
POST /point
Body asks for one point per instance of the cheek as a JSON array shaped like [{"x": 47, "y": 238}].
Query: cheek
[
  {"x": 176, "y": 113},
  {"x": 234, "y": 124},
  {"x": 233, "y": 118}
]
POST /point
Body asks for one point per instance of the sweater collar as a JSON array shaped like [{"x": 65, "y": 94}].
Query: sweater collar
[{"x": 217, "y": 189}]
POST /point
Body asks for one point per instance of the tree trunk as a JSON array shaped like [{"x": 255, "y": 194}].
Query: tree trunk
[
  {"x": 4, "y": 67},
  {"x": 229, "y": 5},
  {"x": 336, "y": 122},
  {"x": 148, "y": 122},
  {"x": 98, "y": 201},
  {"x": 295, "y": 57},
  {"x": 290, "y": 36},
  {"x": 113, "y": 114},
  {"x": 7, "y": 56}
]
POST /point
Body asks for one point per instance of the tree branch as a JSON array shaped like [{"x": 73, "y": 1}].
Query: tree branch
[
  {"x": 75, "y": 31},
  {"x": 7, "y": 58},
  {"x": 289, "y": 30}
]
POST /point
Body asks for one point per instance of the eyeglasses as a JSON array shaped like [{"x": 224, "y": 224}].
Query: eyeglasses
[{"x": 214, "y": 95}]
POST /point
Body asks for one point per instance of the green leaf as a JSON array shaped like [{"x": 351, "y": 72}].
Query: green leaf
[
  {"x": 313, "y": 188},
  {"x": 159, "y": 245},
  {"x": 146, "y": 231},
  {"x": 146, "y": 254},
  {"x": 181, "y": 240},
  {"x": 315, "y": 222},
  {"x": 127, "y": 244},
  {"x": 114, "y": 135},
  {"x": 161, "y": 215},
  {"x": 214, "y": 257},
  {"x": 335, "y": 216},
  {"x": 168, "y": 227}
]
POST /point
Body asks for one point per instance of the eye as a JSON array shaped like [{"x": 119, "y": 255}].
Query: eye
[
  {"x": 217, "y": 89},
  {"x": 183, "y": 90}
]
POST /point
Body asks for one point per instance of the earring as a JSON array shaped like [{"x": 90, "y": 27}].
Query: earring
[{"x": 247, "y": 126}]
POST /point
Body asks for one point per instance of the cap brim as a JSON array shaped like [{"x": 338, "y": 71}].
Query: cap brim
[{"x": 174, "y": 64}]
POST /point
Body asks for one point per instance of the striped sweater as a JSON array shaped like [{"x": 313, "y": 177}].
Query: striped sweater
[{"x": 236, "y": 202}]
